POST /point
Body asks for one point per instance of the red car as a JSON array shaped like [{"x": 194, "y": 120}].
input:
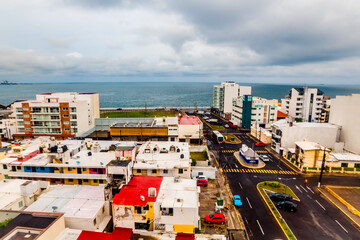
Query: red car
[
  {"x": 202, "y": 182},
  {"x": 215, "y": 218},
  {"x": 259, "y": 144}
]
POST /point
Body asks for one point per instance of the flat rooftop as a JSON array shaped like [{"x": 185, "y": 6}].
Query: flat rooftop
[
  {"x": 189, "y": 120},
  {"x": 284, "y": 122}
]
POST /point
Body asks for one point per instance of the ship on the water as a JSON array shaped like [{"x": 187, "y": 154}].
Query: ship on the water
[{"x": 7, "y": 83}]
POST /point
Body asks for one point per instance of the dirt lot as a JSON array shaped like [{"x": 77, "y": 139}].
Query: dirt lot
[{"x": 351, "y": 195}]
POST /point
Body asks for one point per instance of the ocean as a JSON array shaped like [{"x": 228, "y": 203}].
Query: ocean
[{"x": 154, "y": 94}]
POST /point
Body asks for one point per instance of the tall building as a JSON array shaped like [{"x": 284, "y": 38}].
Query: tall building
[
  {"x": 325, "y": 110},
  {"x": 345, "y": 111},
  {"x": 61, "y": 115},
  {"x": 224, "y": 94},
  {"x": 251, "y": 111},
  {"x": 303, "y": 103}
]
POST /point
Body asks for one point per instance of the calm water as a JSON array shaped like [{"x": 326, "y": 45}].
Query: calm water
[{"x": 154, "y": 94}]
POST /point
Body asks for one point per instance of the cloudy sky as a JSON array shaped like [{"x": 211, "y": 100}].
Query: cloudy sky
[{"x": 293, "y": 41}]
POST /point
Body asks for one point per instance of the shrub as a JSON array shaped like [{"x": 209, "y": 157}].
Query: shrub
[{"x": 193, "y": 162}]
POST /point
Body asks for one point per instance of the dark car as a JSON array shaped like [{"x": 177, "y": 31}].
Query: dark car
[
  {"x": 287, "y": 206},
  {"x": 277, "y": 197}
]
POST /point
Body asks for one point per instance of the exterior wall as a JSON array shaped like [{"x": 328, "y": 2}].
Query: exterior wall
[
  {"x": 7, "y": 127},
  {"x": 264, "y": 135},
  {"x": 209, "y": 172},
  {"x": 138, "y": 131},
  {"x": 190, "y": 131},
  {"x": 310, "y": 158},
  {"x": 345, "y": 111},
  {"x": 53, "y": 230}
]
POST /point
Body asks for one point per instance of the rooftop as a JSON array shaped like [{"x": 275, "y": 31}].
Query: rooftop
[
  {"x": 345, "y": 157},
  {"x": 136, "y": 192},
  {"x": 118, "y": 233},
  {"x": 189, "y": 120},
  {"x": 306, "y": 145},
  {"x": 285, "y": 123}
]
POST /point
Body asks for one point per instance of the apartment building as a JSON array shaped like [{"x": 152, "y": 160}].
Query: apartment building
[
  {"x": 303, "y": 104},
  {"x": 224, "y": 94},
  {"x": 7, "y": 124},
  {"x": 249, "y": 111},
  {"x": 158, "y": 204},
  {"x": 325, "y": 110},
  {"x": 69, "y": 161},
  {"x": 167, "y": 159},
  {"x": 345, "y": 112},
  {"x": 61, "y": 115},
  {"x": 84, "y": 207}
]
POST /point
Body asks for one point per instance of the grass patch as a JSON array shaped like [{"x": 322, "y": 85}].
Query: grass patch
[
  {"x": 199, "y": 156},
  {"x": 229, "y": 137},
  {"x": 5, "y": 222},
  {"x": 265, "y": 185},
  {"x": 278, "y": 188},
  {"x": 138, "y": 114},
  {"x": 217, "y": 127}
]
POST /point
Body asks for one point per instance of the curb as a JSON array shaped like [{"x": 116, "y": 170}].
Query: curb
[
  {"x": 343, "y": 201},
  {"x": 339, "y": 208},
  {"x": 245, "y": 165}
]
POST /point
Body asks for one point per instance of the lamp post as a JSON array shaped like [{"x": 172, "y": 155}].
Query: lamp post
[{"x": 322, "y": 168}]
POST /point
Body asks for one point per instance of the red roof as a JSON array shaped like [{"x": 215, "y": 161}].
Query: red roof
[
  {"x": 118, "y": 233},
  {"x": 281, "y": 115},
  {"x": 189, "y": 120},
  {"x": 185, "y": 236},
  {"x": 130, "y": 194}
]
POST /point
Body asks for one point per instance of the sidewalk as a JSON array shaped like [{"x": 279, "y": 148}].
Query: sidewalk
[{"x": 355, "y": 219}]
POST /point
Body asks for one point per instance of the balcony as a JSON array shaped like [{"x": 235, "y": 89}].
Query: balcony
[{"x": 58, "y": 175}]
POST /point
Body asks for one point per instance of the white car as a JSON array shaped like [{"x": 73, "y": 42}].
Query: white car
[
  {"x": 201, "y": 177},
  {"x": 226, "y": 125},
  {"x": 264, "y": 158}
]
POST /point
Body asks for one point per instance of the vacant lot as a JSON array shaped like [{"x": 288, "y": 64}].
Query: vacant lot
[
  {"x": 351, "y": 195},
  {"x": 199, "y": 156},
  {"x": 138, "y": 114}
]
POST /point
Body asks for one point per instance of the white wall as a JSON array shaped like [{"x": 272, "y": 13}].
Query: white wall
[{"x": 209, "y": 172}]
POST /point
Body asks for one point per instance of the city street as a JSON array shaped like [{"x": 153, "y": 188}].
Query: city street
[{"x": 315, "y": 218}]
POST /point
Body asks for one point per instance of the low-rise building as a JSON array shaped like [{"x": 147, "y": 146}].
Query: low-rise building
[
  {"x": 158, "y": 204},
  {"x": 310, "y": 154},
  {"x": 249, "y": 111},
  {"x": 190, "y": 129},
  {"x": 344, "y": 159},
  {"x": 285, "y": 133},
  {"x": 264, "y": 135},
  {"x": 84, "y": 207},
  {"x": 167, "y": 159},
  {"x": 31, "y": 225}
]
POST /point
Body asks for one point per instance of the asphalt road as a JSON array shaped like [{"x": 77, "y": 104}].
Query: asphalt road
[{"x": 315, "y": 218}]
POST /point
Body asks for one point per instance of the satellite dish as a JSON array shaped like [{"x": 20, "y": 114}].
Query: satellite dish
[{"x": 54, "y": 208}]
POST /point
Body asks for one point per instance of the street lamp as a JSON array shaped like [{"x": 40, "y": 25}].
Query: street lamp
[{"x": 322, "y": 168}]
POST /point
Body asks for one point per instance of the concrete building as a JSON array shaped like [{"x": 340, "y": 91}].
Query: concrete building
[
  {"x": 31, "y": 225},
  {"x": 310, "y": 154},
  {"x": 7, "y": 124},
  {"x": 285, "y": 133},
  {"x": 84, "y": 207},
  {"x": 345, "y": 112},
  {"x": 158, "y": 204},
  {"x": 255, "y": 112},
  {"x": 190, "y": 129},
  {"x": 325, "y": 110},
  {"x": 168, "y": 159},
  {"x": 69, "y": 161},
  {"x": 61, "y": 115},
  {"x": 16, "y": 194},
  {"x": 344, "y": 159},
  {"x": 303, "y": 103},
  {"x": 224, "y": 94}
]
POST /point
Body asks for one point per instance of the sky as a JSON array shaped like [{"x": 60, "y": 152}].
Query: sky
[{"x": 277, "y": 41}]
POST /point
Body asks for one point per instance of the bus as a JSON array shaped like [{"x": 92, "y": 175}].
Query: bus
[
  {"x": 233, "y": 124},
  {"x": 218, "y": 137}
]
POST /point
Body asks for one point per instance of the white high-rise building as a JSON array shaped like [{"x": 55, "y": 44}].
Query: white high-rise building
[
  {"x": 62, "y": 115},
  {"x": 224, "y": 94},
  {"x": 303, "y": 103},
  {"x": 345, "y": 112}
]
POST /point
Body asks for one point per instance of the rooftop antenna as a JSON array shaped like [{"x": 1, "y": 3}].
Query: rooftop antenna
[{"x": 54, "y": 208}]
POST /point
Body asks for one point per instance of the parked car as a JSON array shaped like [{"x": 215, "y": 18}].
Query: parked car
[
  {"x": 264, "y": 158},
  {"x": 226, "y": 125},
  {"x": 277, "y": 197},
  {"x": 237, "y": 201},
  {"x": 206, "y": 118},
  {"x": 260, "y": 144},
  {"x": 215, "y": 218},
  {"x": 201, "y": 177},
  {"x": 287, "y": 206},
  {"x": 202, "y": 182}
]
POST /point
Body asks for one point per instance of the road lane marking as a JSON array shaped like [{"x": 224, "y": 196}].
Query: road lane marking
[
  {"x": 308, "y": 196},
  {"x": 341, "y": 226},
  {"x": 310, "y": 189},
  {"x": 298, "y": 188},
  {"x": 260, "y": 227},
  {"x": 320, "y": 205},
  {"x": 236, "y": 165},
  {"x": 240, "y": 185},
  {"x": 248, "y": 202},
  {"x": 303, "y": 188},
  {"x": 281, "y": 168}
]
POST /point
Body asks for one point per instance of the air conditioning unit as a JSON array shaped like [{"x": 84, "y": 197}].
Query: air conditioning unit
[{"x": 152, "y": 192}]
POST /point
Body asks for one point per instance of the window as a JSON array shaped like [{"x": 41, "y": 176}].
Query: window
[
  {"x": 13, "y": 168},
  {"x": 94, "y": 221},
  {"x": 67, "y": 129},
  {"x": 66, "y": 115},
  {"x": 65, "y": 109},
  {"x": 20, "y": 204},
  {"x": 165, "y": 171},
  {"x": 95, "y": 180},
  {"x": 54, "y": 117},
  {"x": 84, "y": 169},
  {"x": 69, "y": 169},
  {"x": 101, "y": 181},
  {"x": 71, "y": 180},
  {"x": 18, "y": 110},
  {"x": 42, "y": 168},
  {"x": 138, "y": 170},
  {"x": 66, "y": 122},
  {"x": 74, "y": 124},
  {"x": 18, "y": 167},
  {"x": 181, "y": 171},
  {"x": 35, "y": 109},
  {"x": 86, "y": 180},
  {"x": 26, "y": 115},
  {"x": 27, "y": 129},
  {"x": 73, "y": 109},
  {"x": 25, "y": 109},
  {"x": 154, "y": 171},
  {"x": 4, "y": 166},
  {"x": 27, "y": 122},
  {"x": 54, "y": 110},
  {"x": 73, "y": 116},
  {"x": 357, "y": 165},
  {"x": 344, "y": 164}
]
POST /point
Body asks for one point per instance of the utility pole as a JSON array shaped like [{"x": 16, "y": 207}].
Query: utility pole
[{"x": 322, "y": 168}]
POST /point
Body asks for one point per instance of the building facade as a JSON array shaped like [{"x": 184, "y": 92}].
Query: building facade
[
  {"x": 325, "y": 110},
  {"x": 61, "y": 115},
  {"x": 303, "y": 104},
  {"x": 310, "y": 154},
  {"x": 345, "y": 112},
  {"x": 255, "y": 112},
  {"x": 224, "y": 94}
]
